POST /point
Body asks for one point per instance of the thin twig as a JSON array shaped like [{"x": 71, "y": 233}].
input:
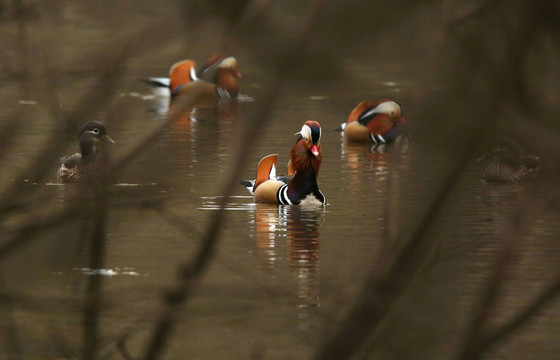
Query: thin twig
[{"x": 92, "y": 306}]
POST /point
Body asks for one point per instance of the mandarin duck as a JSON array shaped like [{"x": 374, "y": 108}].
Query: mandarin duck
[
  {"x": 508, "y": 163},
  {"x": 376, "y": 122},
  {"x": 214, "y": 80},
  {"x": 301, "y": 186},
  {"x": 87, "y": 165}
]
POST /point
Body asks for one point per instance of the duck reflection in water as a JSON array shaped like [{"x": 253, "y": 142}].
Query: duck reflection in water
[
  {"x": 204, "y": 108},
  {"x": 376, "y": 160},
  {"x": 300, "y": 227},
  {"x": 215, "y": 107}
]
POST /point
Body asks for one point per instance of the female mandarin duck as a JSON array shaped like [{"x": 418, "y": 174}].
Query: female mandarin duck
[
  {"x": 87, "y": 165},
  {"x": 508, "y": 163},
  {"x": 215, "y": 79},
  {"x": 376, "y": 122},
  {"x": 305, "y": 160}
]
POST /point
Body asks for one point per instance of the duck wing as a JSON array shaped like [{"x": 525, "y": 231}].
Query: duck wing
[{"x": 71, "y": 161}]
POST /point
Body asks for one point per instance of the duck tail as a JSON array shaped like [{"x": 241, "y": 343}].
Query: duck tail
[{"x": 157, "y": 82}]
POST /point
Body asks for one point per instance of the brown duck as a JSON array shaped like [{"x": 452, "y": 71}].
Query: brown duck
[
  {"x": 508, "y": 163},
  {"x": 87, "y": 165}
]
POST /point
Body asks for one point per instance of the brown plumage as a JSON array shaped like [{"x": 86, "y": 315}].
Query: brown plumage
[
  {"x": 508, "y": 163},
  {"x": 87, "y": 165},
  {"x": 307, "y": 144}
]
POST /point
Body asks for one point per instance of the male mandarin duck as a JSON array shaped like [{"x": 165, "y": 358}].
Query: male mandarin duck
[
  {"x": 376, "y": 122},
  {"x": 87, "y": 165},
  {"x": 305, "y": 161},
  {"x": 215, "y": 79},
  {"x": 508, "y": 163}
]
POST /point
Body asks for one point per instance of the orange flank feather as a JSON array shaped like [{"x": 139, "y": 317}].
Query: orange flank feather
[
  {"x": 266, "y": 166},
  {"x": 180, "y": 73}
]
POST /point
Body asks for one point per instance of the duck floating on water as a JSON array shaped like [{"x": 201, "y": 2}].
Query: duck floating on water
[
  {"x": 373, "y": 122},
  {"x": 508, "y": 163},
  {"x": 87, "y": 165},
  {"x": 214, "y": 80},
  {"x": 299, "y": 188}
]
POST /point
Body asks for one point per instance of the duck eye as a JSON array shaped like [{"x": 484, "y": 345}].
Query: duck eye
[
  {"x": 392, "y": 113},
  {"x": 96, "y": 131},
  {"x": 496, "y": 148}
]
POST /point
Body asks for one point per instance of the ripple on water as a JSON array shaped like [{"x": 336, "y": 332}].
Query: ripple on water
[{"x": 213, "y": 203}]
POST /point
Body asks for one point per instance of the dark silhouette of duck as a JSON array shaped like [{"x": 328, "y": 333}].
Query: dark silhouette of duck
[
  {"x": 87, "y": 165},
  {"x": 508, "y": 163}
]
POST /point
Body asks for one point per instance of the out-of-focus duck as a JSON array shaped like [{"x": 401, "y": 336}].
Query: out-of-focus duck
[
  {"x": 87, "y": 165},
  {"x": 376, "y": 122},
  {"x": 214, "y": 80},
  {"x": 508, "y": 163},
  {"x": 305, "y": 161},
  {"x": 181, "y": 72}
]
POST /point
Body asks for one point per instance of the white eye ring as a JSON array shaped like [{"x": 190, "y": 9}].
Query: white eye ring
[{"x": 95, "y": 131}]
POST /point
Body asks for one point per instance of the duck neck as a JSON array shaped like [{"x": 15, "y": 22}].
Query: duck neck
[
  {"x": 303, "y": 183},
  {"x": 88, "y": 147},
  {"x": 511, "y": 157},
  {"x": 301, "y": 158},
  {"x": 226, "y": 81}
]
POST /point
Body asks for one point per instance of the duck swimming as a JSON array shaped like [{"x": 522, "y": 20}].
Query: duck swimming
[
  {"x": 508, "y": 163},
  {"x": 305, "y": 161},
  {"x": 87, "y": 165},
  {"x": 214, "y": 80},
  {"x": 373, "y": 122}
]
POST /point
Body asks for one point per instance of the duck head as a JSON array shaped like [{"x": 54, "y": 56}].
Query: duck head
[
  {"x": 307, "y": 150},
  {"x": 505, "y": 150},
  {"x": 221, "y": 71},
  {"x": 90, "y": 134},
  {"x": 217, "y": 64},
  {"x": 382, "y": 111}
]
